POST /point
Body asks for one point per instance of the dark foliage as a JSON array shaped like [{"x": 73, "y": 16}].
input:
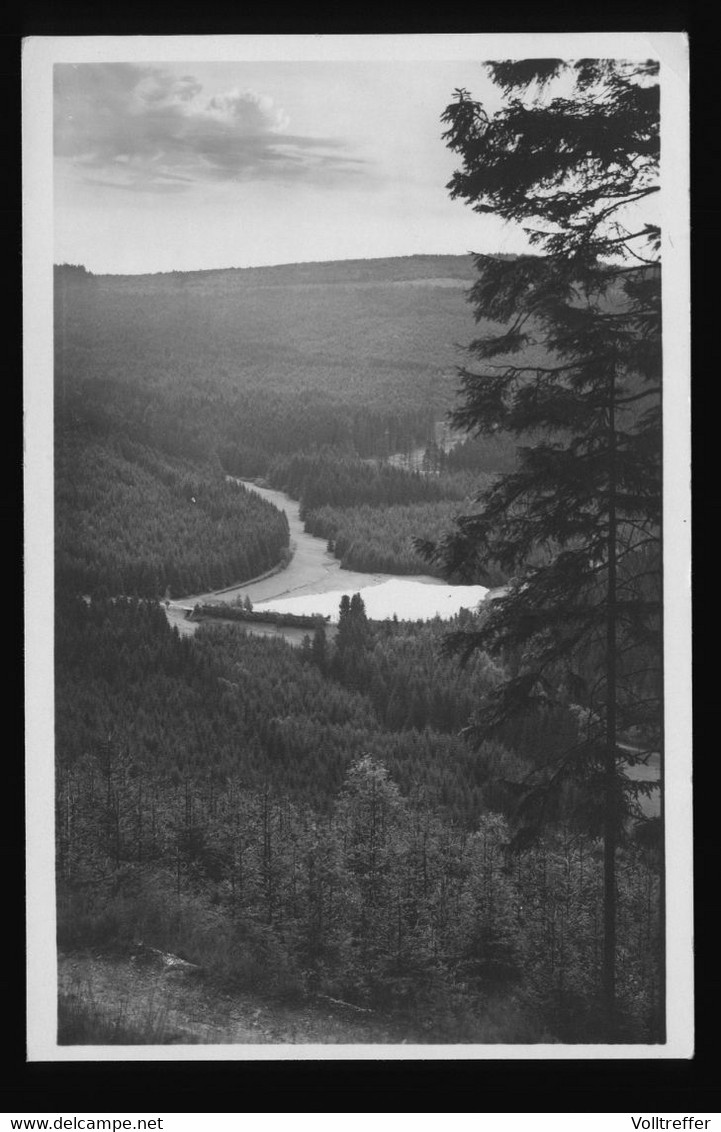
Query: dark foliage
[
  {"x": 333, "y": 478},
  {"x": 381, "y": 539},
  {"x": 587, "y": 489},
  {"x": 132, "y": 521},
  {"x": 220, "y": 798},
  {"x": 226, "y": 612}
]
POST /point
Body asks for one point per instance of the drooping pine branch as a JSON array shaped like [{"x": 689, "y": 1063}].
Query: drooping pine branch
[{"x": 568, "y": 361}]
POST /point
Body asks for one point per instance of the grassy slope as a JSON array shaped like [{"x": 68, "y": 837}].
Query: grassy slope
[{"x": 106, "y": 999}]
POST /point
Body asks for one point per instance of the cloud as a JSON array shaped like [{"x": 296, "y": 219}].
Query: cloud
[{"x": 143, "y": 128}]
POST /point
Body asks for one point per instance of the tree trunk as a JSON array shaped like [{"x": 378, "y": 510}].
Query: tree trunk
[{"x": 610, "y": 801}]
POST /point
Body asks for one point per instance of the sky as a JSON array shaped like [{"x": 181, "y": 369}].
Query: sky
[{"x": 195, "y": 165}]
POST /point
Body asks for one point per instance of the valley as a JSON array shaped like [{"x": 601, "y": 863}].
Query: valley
[{"x": 309, "y": 815}]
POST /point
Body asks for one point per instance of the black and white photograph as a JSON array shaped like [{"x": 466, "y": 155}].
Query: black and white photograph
[{"x": 357, "y": 548}]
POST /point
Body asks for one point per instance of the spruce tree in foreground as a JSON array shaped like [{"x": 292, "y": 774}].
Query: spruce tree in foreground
[{"x": 573, "y": 371}]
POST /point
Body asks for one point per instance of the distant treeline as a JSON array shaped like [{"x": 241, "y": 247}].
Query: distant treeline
[
  {"x": 381, "y": 539},
  {"x": 258, "y": 616},
  {"x": 132, "y": 521},
  {"x": 336, "y": 479}
]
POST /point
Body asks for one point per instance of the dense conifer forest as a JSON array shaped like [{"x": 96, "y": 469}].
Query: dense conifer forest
[
  {"x": 298, "y": 820},
  {"x": 337, "y": 479},
  {"x": 131, "y": 520},
  {"x": 381, "y": 539}
]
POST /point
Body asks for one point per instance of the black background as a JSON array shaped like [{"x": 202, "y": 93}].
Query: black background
[{"x": 639, "y": 1086}]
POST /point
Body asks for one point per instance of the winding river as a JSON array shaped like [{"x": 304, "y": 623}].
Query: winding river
[{"x": 315, "y": 573}]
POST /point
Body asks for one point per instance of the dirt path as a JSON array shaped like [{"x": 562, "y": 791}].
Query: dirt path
[{"x": 180, "y": 1009}]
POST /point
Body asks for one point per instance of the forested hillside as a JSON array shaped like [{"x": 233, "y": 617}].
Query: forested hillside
[
  {"x": 252, "y": 363},
  {"x": 130, "y": 520},
  {"x": 312, "y": 819}
]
